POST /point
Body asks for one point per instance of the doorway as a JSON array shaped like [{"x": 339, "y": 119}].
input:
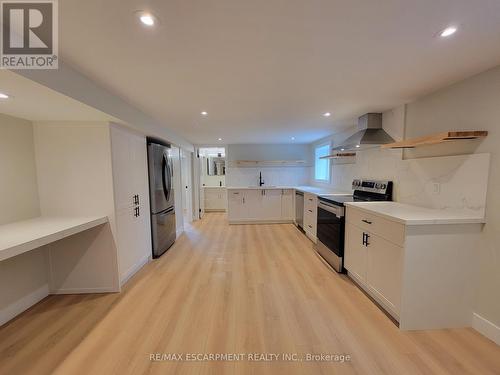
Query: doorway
[{"x": 212, "y": 177}]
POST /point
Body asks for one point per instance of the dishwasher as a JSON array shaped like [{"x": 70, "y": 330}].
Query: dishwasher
[{"x": 299, "y": 208}]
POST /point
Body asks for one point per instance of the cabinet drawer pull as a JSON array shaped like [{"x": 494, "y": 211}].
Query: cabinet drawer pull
[
  {"x": 310, "y": 199},
  {"x": 366, "y": 221},
  {"x": 235, "y": 193},
  {"x": 310, "y": 210}
]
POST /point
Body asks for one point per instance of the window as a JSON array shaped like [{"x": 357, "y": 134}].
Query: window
[{"x": 321, "y": 166}]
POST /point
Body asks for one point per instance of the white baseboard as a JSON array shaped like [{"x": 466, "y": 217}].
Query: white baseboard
[
  {"x": 486, "y": 328},
  {"x": 105, "y": 289},
  {"x": 133, "y": 270},
  {"x": 23, "y": 304},
  {"x": 253, "y": 221}
]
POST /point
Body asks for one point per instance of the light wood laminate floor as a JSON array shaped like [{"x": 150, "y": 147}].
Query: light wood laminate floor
[{"x": 232, "y": 289}]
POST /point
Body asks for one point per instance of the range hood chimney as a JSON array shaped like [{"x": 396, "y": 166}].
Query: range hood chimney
[{"x": 370, "y": 134}]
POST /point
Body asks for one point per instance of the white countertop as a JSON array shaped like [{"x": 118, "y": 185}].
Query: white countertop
[
  {"x": 321, "y": 191},
  {"x": 304, "y": 189},
  {"x": 22, "y": 236},
  {"x": 415, "y": 215}
]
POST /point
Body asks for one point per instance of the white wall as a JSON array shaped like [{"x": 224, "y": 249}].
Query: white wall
[
  {"x": 74, "y": 168},
  {"x": 23, "y": 279},
  {"x": 278, "y": 176},
  {"x": 74, "y": 173},
  {"x": 466, "y": 180},
  {"x": 471, "y": 104},
  {"x": 18, "y": 185}
]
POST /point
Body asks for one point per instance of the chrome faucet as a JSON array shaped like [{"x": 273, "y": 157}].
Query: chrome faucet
[{"x": 261, "y": 181}]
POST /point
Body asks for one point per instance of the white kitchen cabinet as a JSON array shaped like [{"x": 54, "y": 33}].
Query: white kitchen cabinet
[
  {"x": 417, "y": 272},
  {"x": 237, "y": 207},
  {"x": 131, "y": 191},
  {"x": 310, "y": 215},
  {"x": 383, "y": 271},
  {"x": 355, "y": 252},
  {"x": 253, "y": 201},
  {"x": 259, "y": 206},
  {"x": 215, "y": 198},
  {"x": 287, "y": 204},
  {"x": 376, "y": 263},
  {"x": 270, "y": 204}
]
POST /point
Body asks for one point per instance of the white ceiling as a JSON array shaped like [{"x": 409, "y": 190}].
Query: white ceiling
[
  {"x": 266, "y": 70},
  {"x": 34, "y": 102}
]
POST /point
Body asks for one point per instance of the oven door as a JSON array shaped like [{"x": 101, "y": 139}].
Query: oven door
[{"x": 330, "y": 228}]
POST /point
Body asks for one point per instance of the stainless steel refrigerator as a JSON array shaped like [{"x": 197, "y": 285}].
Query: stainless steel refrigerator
[{"x": 161, "y": 193}]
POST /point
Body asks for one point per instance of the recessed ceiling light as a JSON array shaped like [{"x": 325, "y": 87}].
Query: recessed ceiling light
[
  {"x": 204, "y": 113},
  {"x": 327, "y": 114},
  {"x": 220, "y": 139},
  {"x": 358, "y": 146},
  {"x": 448, "y": 31},
  {"x": 293, "y": 138},
  {"x": 148, "y": 19},
  {"x": 3, "y": 96},
  {"x": 342, "y": 149}
]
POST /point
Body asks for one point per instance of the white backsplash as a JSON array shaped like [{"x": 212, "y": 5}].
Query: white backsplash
[
  {"x": 273, "y": 176},
  {"x": 451, "y": 182},
  {"x": 447, "y": 182}
]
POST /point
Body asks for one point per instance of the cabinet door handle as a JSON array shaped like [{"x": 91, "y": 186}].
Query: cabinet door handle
[
  {"x": 243, "y": 200},
  {"x": 310, "y": 211},
  {"x": 366, "y": 221},
  {"x": 365, "y": 239},
  {"x": 309, "y": 226}
]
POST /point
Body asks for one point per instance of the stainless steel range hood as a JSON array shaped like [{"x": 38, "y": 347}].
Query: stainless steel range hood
[{"x": 370, "y": 134}]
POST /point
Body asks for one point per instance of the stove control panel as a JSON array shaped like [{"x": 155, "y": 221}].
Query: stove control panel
[{"x": 372, "y": 186}]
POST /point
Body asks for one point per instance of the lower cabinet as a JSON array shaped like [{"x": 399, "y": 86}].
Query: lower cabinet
[
  {"x": 215, "y": 198},
  {"x": 383, "y": 272},
  {"x": 310, "y": 215},
  {"x": 376, "y": 264},
  {"x": 355, "y": 252},
  {"x": 237, "y": 207},
  {"x": 419, "y": 273},
  {"x": 260, "y": 205},
  {"x": 288, "y": 204}
]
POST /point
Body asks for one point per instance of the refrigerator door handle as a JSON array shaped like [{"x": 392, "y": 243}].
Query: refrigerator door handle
[{"x": 166, "y": 175}]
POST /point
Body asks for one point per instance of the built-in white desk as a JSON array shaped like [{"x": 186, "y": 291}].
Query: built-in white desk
[{"x": 22, "y": 236}]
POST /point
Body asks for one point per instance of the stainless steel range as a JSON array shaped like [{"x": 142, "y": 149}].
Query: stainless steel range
[{"x": 331, "y": 217}]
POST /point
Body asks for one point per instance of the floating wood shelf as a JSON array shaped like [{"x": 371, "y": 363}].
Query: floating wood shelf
[
  {"x": 339, "y": 155},
  {"x": 270, "y": 163},
  {"x": 434, "y": 139}
]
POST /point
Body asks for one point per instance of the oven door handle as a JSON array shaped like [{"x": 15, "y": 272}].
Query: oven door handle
[{"x": 334, "y": 210}]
